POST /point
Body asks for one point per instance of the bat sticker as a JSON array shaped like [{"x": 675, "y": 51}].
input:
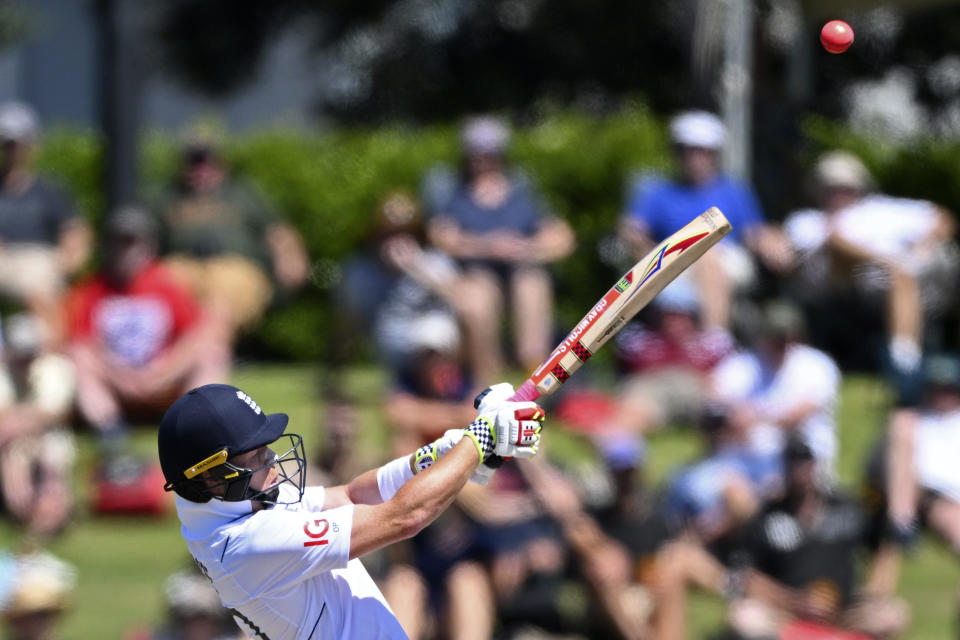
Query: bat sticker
[{"x": 681, "y": 246}]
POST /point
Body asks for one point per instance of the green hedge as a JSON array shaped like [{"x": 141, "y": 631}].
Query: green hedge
[{"x": 327, "y": 184}]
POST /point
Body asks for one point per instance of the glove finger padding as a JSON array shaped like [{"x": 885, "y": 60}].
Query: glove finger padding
[{"x": 518, "y": 428}]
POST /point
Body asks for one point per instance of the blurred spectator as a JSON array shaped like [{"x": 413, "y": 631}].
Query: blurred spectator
[
  {"x": 390, "y": 286},
  {"x": 491, "y": 560},
  {"x": 781, "y": 386},
  {"x": 667, "y": 365},
  {"x": 712, "y": 498},
  {"x": 43, "y": 240},
  {"x": 222, "y": 239},
  {"x": 615, "y": 545},
  {"x": 442, "y": 589},
  {"x": 395, "y": 280},
  {"x": 38, "y": 590},
  {"x": 797, "y": 561},
  {"x": 495, "y": 224},
  {"x": 888, "y": 252},
  {"x": 37, "y": 388},
  {"x": 193, "y": 611},
  {"x": 657, "y": 208},
  {"x": 525, "y": 553},
  {"x": 434, "y": 388},
  {"x": 137, "y": 338},
  {"x": 923, "y": 481}
]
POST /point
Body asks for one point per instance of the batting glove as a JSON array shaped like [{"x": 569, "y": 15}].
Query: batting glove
[
  {"x": 428, "y": 454},
  {"x": 513, "y": 430},
  {"x": 488, "y": 400}
]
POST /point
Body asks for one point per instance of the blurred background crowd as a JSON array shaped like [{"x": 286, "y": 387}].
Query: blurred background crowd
[{"x": 423, "y": 197}]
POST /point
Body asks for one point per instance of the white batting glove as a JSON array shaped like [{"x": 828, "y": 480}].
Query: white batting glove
[
  {"x": 518, "y": 429},
  {"x": 488, "y": 400},
  {"x": 485, "y": 402},
  {"x": 512, "y": 431},
  {"x": 428, "y": 454}
]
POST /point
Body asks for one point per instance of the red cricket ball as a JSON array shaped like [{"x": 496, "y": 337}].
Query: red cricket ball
[{"x": 836, "y": 36}]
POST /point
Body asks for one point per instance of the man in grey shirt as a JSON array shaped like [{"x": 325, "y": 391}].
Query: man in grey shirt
[{"x": 42, "y": 238}]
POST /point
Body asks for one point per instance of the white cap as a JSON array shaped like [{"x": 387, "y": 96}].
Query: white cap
[
  {"x": 189, "y": 593},
  {"x": 41, "y": 582},
  {"x": 842, "y": 169},
  {"x": 485, "y": 135},
  {"x": 435, "y": 331},
  {"x": 18, "y": 122},
  {"x": 698, "y": 129},
  {"x": 24, "y": 334}
]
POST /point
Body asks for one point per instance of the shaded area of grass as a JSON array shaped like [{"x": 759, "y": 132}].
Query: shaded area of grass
[{"x": 122, "y": 562}]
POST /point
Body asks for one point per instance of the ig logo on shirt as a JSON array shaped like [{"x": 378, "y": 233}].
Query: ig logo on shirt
[{"x": 317, "y": 531}]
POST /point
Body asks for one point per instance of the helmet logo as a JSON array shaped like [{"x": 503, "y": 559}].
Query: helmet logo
[
  {"x": 249, "y": 402},
  {"x": 216, "y": 459}
]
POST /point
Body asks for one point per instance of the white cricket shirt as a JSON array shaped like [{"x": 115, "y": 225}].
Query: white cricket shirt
[
  {"x": 936, "y": 451},
  {"x": 806, "y": 375},
  {"x": 888, "y": 227},
  {"x": 286, "y": 572}
]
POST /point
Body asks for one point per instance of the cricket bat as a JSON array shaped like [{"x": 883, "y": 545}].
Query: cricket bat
[{"x": 625, "y": 299}]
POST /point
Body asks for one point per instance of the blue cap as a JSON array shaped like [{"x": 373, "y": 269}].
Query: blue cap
[{"x": 207, "y": 421}]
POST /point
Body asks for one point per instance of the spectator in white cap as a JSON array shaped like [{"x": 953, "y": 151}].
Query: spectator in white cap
[
  {"x": 499, "y": 229},
  {"x": 657, "y": 207},
  {"x": 434, "y": 387},
  {"x": 875, "y": 251},
  {"x": 42, "y": 238},
  {"x": 194, "y": 611},
  {"x": 40, "y": 590}
]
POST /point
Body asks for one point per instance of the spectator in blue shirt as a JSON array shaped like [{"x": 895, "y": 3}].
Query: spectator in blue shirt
[{"x": 658, "y": 207}]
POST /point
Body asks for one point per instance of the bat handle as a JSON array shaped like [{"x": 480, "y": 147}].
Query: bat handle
[{"x": 526, "y": 392}]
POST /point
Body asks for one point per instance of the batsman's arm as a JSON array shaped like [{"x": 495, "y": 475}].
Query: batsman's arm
[
  {"x": 400, "y": 498},
  {"x": 417, "y": 503}
]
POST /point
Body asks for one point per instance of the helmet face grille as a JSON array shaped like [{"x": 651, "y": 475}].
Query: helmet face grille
[
  {"x": 231, "y": 483},
  {"x": 291, "y": 464}
]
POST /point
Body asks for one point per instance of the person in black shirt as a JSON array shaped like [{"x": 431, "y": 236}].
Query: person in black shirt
[
  {"x": 614, "y": 546},
  {"x": 797, "y": 562}
]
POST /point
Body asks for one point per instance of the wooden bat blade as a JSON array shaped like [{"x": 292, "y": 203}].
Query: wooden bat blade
[{"x": 625, "y": 299}]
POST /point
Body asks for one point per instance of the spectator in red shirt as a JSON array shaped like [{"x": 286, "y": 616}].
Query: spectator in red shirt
[{"x": 137, "y": 338}]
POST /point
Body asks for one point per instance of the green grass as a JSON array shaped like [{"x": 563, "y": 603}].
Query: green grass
[{"x": 122, "y": 562}]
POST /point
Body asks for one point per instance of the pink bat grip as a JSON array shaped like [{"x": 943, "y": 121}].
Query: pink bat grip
[{"x": 526, "y": 392}]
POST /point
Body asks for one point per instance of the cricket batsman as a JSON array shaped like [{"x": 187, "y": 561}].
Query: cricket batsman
[{"x": 284, "y": 557}]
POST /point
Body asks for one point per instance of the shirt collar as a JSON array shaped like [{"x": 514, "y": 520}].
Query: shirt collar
[{"x": 200, "y": 520}]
